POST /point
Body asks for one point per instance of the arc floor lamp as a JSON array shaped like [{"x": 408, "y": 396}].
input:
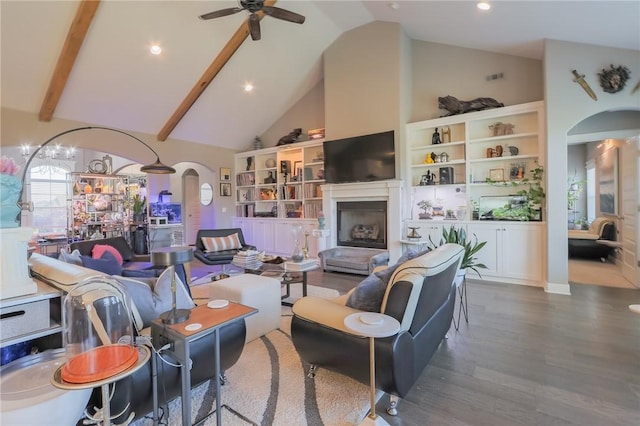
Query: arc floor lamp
[{"x": 156, "y": 167}]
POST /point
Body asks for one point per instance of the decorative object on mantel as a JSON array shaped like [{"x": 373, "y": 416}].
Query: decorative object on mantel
[
  {"x": 613, "y": 80},
  {"x": 290, "y": 138},
  {"x": 636, "y": 87},
  {"x": 316, "y": 133},
  {"x": 321, "y": 220},
  {"x": 413, "y": 234},
  {"x": 455, "y": 106},
  {"x": 579, "y": 78}
]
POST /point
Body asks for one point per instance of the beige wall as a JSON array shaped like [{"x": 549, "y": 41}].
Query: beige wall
[
  {"x": 362, "y": 81},
  {"x": 567, "y": 105},
  {"x": 307, "y": 114},
  {"x": 441, "y": 70}
]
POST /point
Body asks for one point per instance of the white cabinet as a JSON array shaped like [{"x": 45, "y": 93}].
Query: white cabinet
[
  {"x": 276, "y": 236},
  {"x": 513, "y": 252},
  {"x": 431, "y": 230}
]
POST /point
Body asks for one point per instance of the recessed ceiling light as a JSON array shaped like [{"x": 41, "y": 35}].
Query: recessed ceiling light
[
  {"x": 394, "y": 5},
  {"x": 155, "y": 49},
  {"x": 484, "y": 5},
  {"x": 248, "y": 87}
]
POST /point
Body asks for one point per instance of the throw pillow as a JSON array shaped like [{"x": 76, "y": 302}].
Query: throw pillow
[
  {"x": 229, "y": 242},
  {"x": 74, "y": 257},
  {"x": 368, "y": 295},
  {"x": 99, "y": 249},
  {"x": 153, "y": 297},
  {"x": 107, "y": 264}
]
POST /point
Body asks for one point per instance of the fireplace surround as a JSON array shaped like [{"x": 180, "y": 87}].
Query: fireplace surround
[{"x": 387, "y": 192}]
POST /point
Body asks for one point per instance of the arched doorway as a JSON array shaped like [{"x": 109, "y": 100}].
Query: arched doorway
[
  {"x": 616, "y": 134},
  {"x": 191, "y": 203}
]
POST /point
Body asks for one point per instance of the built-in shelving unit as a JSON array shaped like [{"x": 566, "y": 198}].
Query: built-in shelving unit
[
  {"x": 476, "y": 150},
  {"x": 281, "y": 182}
]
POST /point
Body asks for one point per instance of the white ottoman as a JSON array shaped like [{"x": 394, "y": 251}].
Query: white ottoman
[{"x": 262, "y": 293}]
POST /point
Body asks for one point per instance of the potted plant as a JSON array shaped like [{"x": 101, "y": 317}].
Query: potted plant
[
  {"x": 471, "y": 248},
  {"x": 426, "y": 206},
  {"x": 531, "y": 189},
  {"x": 138, "y": 207}
]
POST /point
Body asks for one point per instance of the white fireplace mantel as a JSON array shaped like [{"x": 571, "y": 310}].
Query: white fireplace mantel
[{"x": 387, "y": 190}]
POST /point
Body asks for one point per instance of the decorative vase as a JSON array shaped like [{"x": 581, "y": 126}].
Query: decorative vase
[
  {"x": 298, "y": 254},
  {"x": 10, "y": 186},
  {"x": 321, "y": 223}
]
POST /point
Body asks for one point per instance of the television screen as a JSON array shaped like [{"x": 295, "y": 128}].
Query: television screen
[{"x": 360, "y": 159}]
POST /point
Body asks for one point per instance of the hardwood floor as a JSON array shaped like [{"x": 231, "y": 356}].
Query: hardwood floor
[{"x": 528, "y": 358}]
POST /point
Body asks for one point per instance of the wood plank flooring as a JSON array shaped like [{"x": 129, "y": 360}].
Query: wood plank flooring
[{"x": 528, "y": 358}]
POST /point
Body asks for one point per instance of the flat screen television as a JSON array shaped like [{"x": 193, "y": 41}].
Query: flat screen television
[{"x": 365, "y": 158}]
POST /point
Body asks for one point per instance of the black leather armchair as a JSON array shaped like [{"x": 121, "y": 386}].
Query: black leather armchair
[
  {"x": 420, "y": 295},
  {"x": 223, "y": 257}
]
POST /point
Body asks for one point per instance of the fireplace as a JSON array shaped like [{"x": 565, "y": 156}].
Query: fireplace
[
  {"x": 388, "y": 193},
  {"x": 362, "y": 224}
]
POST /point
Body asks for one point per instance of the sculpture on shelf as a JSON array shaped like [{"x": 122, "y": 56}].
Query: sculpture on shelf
[
  {"x": 435, "y": 139},
  {"x": 455, "y": 106},
  {"x": 290, "y": 138}
]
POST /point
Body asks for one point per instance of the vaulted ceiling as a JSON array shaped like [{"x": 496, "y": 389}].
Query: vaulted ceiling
[{"x": 91, "y": 62}]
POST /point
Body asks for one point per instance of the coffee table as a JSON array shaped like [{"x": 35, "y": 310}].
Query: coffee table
[{"x": 288, "y": 272}]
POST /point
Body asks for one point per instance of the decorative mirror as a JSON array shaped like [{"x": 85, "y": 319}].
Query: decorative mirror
[{"x": 206, "y": 194}]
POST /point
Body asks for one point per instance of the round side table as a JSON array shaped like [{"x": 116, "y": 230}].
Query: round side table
[
  {"x": 102, "y": 415},
  {"x": 372, "y": 325}
]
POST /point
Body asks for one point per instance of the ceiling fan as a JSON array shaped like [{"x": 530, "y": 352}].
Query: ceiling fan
[{"x": 253, "y": 6}]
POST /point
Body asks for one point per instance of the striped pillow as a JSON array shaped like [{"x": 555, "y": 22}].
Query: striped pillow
[{"x": 229, "y": 242}]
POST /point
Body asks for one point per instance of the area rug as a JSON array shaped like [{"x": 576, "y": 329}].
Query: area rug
[{"x": 269, "y": 386}]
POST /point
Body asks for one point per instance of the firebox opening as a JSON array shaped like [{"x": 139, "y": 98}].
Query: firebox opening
[{"x": 362, "y": 224}]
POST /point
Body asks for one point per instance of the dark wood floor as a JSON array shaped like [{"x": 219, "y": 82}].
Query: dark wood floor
[{"x": 528, "y": 358}]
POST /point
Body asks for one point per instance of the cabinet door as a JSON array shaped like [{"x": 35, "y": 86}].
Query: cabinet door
[
  {"x": 284, "y": 237},
  {"x": 263, "y": 235},
  {"x": 522, "y": 252},
  {"x": 490, "y": 254},
  {"x": 247, "y": 229}
]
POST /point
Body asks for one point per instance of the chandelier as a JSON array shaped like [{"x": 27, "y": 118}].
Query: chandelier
[{"x": 55, "y": 152}]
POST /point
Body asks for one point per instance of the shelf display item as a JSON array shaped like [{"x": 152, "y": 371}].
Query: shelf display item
[{"x": 98, "y": 334}]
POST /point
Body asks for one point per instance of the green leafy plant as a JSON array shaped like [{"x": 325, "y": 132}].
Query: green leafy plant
[
  {"x": 139, "y": 204},
  {"x": 532, "y": 189},
  {"x": 471, "y": 247}
]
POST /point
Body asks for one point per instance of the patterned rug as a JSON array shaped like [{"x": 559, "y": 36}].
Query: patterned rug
[{"x": 269, "y": 386}]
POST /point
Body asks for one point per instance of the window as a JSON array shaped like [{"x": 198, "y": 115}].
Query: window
[{"x": 48, "y": 193}]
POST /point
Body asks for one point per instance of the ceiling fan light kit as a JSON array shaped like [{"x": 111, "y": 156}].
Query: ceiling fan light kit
[{"x": 254, "y": 7}]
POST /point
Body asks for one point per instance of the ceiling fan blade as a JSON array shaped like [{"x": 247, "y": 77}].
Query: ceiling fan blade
[
  {"x": 254, "y": 26},
  {"x": 220, "y": 13},
  {"x": 276, "y": 12}
]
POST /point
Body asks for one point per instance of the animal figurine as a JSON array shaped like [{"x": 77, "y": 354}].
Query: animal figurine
[
  {"x": 455, "y": 106},
  {"x": 290, "y": 138}
]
